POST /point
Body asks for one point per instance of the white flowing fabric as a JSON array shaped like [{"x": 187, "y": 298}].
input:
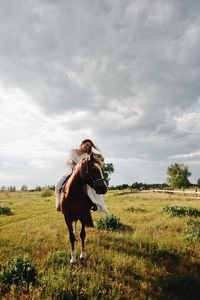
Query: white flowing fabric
[
  {"x": 97, "y": 199},
  {"x": 74, "y": 158}
]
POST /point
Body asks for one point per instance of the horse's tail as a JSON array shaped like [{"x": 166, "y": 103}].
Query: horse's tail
[{"x": 88, "y": 220}]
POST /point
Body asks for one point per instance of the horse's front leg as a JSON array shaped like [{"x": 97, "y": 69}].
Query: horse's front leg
[
  {"x": 72, "y": 238},
  {"x": 82, "y": 235}
]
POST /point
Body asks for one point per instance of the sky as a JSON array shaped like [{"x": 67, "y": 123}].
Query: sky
[{"x": 124, "y": 73}]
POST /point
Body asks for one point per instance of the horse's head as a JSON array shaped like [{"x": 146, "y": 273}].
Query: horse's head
[{"x": 91, "y": 173}]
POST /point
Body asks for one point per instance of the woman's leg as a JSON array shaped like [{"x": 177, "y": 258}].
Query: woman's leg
[{"x": 57, "y": 191}]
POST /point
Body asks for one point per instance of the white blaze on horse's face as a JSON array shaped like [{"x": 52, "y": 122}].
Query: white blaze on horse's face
[
  {"x": 100, "y": 184},
  {"x": 98, "y": 167}
]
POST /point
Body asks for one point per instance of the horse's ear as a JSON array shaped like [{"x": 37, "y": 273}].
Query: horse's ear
[{"x": 91, "y": 156}]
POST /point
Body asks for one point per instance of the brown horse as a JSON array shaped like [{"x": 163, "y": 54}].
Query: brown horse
[{"x": 76, "y": 204}]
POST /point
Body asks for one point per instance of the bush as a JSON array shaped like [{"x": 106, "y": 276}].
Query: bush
[
  {"x": 19, "y": 271},
  {"x": 182, "y": 211},
  {"x": 46, "y": 192},
  {"x": 110, "y": 223},
  {"x": 195, "y": 230},
  {"x": 5, "y": 211}
]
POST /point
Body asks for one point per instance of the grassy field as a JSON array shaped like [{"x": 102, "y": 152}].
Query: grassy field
[{"x": 155, "y": 257}]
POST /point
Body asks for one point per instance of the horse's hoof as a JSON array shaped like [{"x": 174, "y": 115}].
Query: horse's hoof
[
  {"x": 73, "y": 261},
  {"x": 83, "y": 255}
]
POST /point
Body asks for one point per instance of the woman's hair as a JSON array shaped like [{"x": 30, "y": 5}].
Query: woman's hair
[{"x": 93, "y": 145}]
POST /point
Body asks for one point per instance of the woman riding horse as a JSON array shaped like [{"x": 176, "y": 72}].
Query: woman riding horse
[
  {"x": 76, "y": 204},
  {"x": 84, "y": 150}
]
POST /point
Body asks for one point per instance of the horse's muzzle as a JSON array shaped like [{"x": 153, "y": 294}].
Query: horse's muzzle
[{"x": 101, "y": 188}]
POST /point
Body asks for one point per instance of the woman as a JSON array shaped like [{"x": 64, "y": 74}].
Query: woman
[{"x": 84, "y": 150}]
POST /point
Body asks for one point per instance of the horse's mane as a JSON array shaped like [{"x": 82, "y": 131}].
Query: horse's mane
[
  {"x": 97, "y": 160},
  {"x": 92, "y": 158}
]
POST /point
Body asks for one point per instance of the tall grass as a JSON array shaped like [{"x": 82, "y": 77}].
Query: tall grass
[{"x": 152, "y": 259}]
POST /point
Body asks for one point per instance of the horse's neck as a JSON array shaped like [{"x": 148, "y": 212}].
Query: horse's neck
[{"x": 75, "y": 183}]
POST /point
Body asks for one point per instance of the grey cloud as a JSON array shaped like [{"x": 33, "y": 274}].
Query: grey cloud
[
  {"x": 48, "y": 36},
  {"x": 122, "y": 71}
]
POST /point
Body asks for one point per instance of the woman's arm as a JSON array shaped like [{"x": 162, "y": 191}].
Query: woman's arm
[{"x": 70, "y": 162}]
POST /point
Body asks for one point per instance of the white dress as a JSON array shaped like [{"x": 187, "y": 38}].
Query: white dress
[{"x": 74, "y": 158}]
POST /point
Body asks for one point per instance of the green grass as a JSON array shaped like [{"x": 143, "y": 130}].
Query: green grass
[{"x": 151, "y": 259}]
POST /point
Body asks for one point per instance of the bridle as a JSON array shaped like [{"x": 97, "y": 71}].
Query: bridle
[{"x": 94, "y": 181}]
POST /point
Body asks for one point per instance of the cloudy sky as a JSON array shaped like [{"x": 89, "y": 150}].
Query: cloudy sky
[{"x": 124, "y": 73}]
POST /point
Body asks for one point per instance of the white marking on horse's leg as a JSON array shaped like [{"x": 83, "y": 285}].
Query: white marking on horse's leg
[
  {"x": 73, "y": 259},
  {"x": 83, "y": 255}
]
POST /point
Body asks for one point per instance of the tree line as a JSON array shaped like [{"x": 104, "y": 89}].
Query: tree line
[
  {"x": 24, "y": 188},
  {"x": 178, "y": 177}
]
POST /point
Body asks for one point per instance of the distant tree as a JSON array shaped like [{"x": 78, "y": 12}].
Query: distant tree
[
  {"x": 3, "y": 189},
  {"x": 136, "y": 185},
  {"x": 51, "y": 187},
  {"x": 164, "y": 185},
  {"x": 125, "y": 186},
  {"x": 11, "y": 188},
  {"x": 178, "y": 175},
  {"x": 139, "y": 185},
  {"x": 198, "y": 182},
  {"x": 107, "y": 169},
  {"x": 38, "y": 188},
  {"x": 112, "y": 187},
  {"x": 24, "y": 188}
]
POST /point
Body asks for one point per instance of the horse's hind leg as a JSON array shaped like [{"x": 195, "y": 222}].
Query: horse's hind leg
[
  {"x": 82, "y": 235},
  {"x": 72, "y": 241}
]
